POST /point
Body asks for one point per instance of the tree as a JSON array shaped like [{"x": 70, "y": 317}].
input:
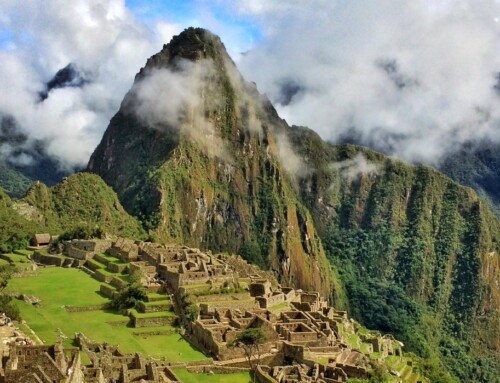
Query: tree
[
  {"x": 7, "y": 305},
  {"x": 190, "y": 307},
  {"x": 9, "y": 308},
  {"x": 250, "y": 341},
  {"x": 128, "y": 296},
  {"x": 6, "y": 272}
]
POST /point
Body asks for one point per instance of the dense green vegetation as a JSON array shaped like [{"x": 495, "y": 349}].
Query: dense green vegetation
[
  {"x": 417, "y": 253},
  {"x": 81, "y": 206},
  {"x": 82, "y": 200},
  {"x": 7, "y": 306},
  {"x": 130, "y": 295},
  {"x": 15, "y": 230},
  {"x": 13, "y": 182}
]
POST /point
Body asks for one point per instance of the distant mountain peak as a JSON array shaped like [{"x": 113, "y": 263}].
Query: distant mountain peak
[
  {"x": 192, "y": 44},
  {"x": 69, "y": 76}
]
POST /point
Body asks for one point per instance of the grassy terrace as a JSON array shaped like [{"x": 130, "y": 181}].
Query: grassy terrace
[
  {"x": 159, "y": 314},
  {"x": 24, "y": 251},
  {"x": 59, "y": 287},
  {"x": 157, "y": 303},
  {"x": 187, "y": 377},
  {"x": 280, "y": 307},
  {"x": 201, "y": 285},
  {"x": 15, "y": 258},
  {"x": 405, "y": 371},
  {"x": 112, "y": 259}
]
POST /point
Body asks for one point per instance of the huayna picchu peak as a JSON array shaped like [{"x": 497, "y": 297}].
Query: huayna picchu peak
[
  {"x": 198, "y": 156},
  {"x": 197, "y": 166}
]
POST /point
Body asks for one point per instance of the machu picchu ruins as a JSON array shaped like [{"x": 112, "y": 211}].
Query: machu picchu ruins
[{"x": 306, "y": 340}]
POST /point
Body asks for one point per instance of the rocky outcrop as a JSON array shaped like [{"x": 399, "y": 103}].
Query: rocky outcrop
[{"x": 214, "y": 177}]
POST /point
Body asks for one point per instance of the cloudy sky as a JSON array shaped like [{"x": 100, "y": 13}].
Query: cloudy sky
[{"x": 416, "y": 78}]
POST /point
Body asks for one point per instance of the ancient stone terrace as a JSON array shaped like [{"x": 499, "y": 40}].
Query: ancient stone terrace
[
  {"x": 108, "y": 364},
  {"x": 85, "y": 249},
  {"x": 46, "y": 364},
  {"x": 233, "y": 296}
]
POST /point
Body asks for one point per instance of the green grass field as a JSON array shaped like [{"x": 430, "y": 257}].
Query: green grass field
[
  {"x": 187, "y": 377},
  {"x": 17, "y": 258},
  {"x": 112, "y": 259},
  {"x": 59, "y": 287}
]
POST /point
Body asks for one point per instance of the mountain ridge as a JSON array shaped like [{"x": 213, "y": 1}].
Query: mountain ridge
[
  {"x": 218, "y": 189},
  {"x": 386, "y": 225}
]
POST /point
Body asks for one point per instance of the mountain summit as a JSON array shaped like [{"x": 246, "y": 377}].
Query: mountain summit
[{"x": 202, "y": 158}]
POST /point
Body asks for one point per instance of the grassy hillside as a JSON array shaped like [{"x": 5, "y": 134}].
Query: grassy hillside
[
  {"x": 15, "y": 230},
  {"x": 80, "y": 205},
  {"x": 417, "y": 252},
  {"x": 82, "y": 200}
]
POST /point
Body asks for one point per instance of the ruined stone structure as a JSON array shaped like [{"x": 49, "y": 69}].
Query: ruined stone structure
[
  {"x": 85, "y": 249},
  {"x": 55, "y": 364},
  {"x": 42, "y": 364},
  {"x": 232, "y": 296},
  {"x": 215, "y": 330},
  {"x": 108, "y": 364}
]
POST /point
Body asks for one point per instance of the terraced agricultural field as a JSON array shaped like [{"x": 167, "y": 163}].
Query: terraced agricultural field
[
  {"x": 60, "y": 287},
  {"x": 187, "y": 377}
]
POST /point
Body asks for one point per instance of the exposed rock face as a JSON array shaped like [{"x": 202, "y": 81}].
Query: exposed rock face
[
  {"x": 210, "y": 173},
  {"x": 392, "y": 225},
  {"x": 203, "y": 159}
]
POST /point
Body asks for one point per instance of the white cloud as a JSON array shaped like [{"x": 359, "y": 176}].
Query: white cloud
[
  {"x": 175, "y": 99},
  {"x": 414, "y": 77},
  {"x": 356, "y": 167},
  {"x": 101, "y": 37}
]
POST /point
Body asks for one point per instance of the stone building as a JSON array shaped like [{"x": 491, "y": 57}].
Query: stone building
[
  {"x": 86, "y": 249},
  {"x": 42, "y": 364},
  {"x": 108, "y": 364},
  {"x": 41, "y": 240}
]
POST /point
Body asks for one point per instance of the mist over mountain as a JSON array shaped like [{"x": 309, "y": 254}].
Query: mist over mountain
[
  {"x": 414, "y": 79},
  {"x": 23, "y": 159},
  {"x": 69, "y": 76},
  {"x": 200, "y": 157}
]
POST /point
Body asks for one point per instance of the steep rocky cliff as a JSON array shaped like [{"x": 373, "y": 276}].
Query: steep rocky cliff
[
  {"x": 197, "y": 154},
  {"x": 418, "y": 253},
  {"x": 201, "y": 158}
]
